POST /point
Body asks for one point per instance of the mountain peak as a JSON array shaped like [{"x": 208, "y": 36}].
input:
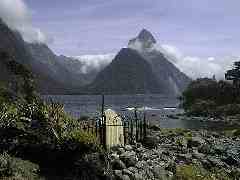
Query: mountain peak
[
  {"x": 146, "y": 35},
  {"x": 143, "y": 41}
]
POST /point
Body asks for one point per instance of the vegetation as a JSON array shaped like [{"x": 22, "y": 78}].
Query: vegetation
[
  {"x": 234, "y": 74},
  {"x": 208, "y": 97},
  {"x": 49, "y": 140},
  {"x": 15, "y": 168},
  {"x": 196, "y": 172}
]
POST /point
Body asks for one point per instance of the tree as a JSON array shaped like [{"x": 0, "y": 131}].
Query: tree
[
  {"x": 22, "y": 81},
  {"x": 234, "y": 74}
]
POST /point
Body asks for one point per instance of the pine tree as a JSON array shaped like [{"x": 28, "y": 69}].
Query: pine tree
[{"x": 234, "y": 74}]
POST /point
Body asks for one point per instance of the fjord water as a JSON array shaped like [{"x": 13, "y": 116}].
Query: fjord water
[{"x": 157, "y": 108}]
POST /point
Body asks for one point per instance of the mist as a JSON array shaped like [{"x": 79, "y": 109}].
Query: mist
[
  {"x": 198, "y": 67},
  {"x": 17, "y": 16},
  {"x": 193, "y": 66},
  {"x": 94, "y": 62}
]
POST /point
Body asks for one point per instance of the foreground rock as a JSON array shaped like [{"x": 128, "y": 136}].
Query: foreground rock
[{"x": 172, "y": 152}]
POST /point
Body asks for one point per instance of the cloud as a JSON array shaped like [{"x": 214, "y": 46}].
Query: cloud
[
  {"x": 17, "y": 16},
  {"x": 196, "y": 67},
  {"x": 95, "y": 62}
]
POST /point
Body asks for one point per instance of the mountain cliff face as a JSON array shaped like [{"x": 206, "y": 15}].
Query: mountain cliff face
[
  {"x": 75, "y": 66},
  {"x": 52, "y": 66},
  {"x": 140, "y": 68},
  {"x": 13, "y": 44},
  {"x": 51, "y": 73}
]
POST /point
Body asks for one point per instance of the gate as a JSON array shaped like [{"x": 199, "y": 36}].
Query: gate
[{"x": 114, "y": 129}]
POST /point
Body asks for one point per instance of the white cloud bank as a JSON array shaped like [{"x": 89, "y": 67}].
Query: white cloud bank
[
  {"x": 17, "y": 16},
  {"x": 95, "y": 62},
  {"x": 196, "y": 67}
]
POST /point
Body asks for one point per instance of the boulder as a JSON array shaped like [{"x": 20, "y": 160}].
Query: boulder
[
  {"x": 117, "y": 164},
  {"x": 127, "y": 172},
  {"x": 205, "y": 149},
  {"x": 160, "y": 173},
  {"x": 215, "y": 161},
  {"x": 133, "y": 170},
  {"x": 232, "y": 160},
  {"x": 141, "y": 164},
  {"x": 129, "y": 158},
  {"x": 125, "y": 177},
  {"x": 198, "y": 155},
  {"x": 151, "y": 142},
  {"x": 120, "y": 150},
  {"x": 185, "y": 157},
  {"x": 128, "y": 148},
  {"x": 120, "y": 176},
  {"x": 138, "y": 176},
  {"x": 195, "y": 142}
]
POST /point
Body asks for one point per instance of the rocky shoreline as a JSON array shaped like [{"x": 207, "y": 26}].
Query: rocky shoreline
[
  {"x": 229, "y": 120},
  {"x": 177, "y": 153}
]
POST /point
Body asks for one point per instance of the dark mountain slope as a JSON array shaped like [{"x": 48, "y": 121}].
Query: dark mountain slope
[
  {"x": 128, "y": 73},
  {"x": 13, "y": 44}
]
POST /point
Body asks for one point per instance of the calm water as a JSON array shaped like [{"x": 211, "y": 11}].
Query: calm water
[{"x": 157, "y": 107}]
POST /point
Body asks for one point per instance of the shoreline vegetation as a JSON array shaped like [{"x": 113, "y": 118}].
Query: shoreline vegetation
[{"x": 41, "y": 141}]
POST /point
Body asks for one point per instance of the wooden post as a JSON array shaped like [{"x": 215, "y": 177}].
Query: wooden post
[
  {"x": 88, "y": 126},
  {"x": 93, "y": 127},
  {"x": 141, "y": 131},
  {"x": 136, "y": 123},
  {"x": 126, "y": 132},
  {"x": 103, "y": 104},
  {"x": 144, "y": 125},
  {"x": 104, "y": 122},
  {"x": 131, "y": 130},
  {"x": 96, "y": 128}
]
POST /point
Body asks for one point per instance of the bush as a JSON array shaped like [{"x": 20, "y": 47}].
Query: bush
[
  {"x": 208, "y": 97},
  {"x": 194, "y": 172},
  {"x": 87, "y": 141},
  {"x": 8, "y": 115},
  {"x": 15, "y": 168},
  {"x": 190, "y": 172},
  {"x": 228, "y": 110},
  {"x": 236, "y": 132},
  {"x": 150, "y": 142},
  {"x": 202, "y": 108}
]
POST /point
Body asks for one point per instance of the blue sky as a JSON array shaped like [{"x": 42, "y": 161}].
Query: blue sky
[{"x": 198, "y": 28}]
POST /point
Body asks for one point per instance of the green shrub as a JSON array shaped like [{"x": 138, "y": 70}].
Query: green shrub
[
  {"x": 86, "y": 140},
  {"x": 190, "y": 172},
  {"x": 15, "y": 168},
  {"x": 208, "y": 97},
  {"x": 202, "y": 108},
  {"x": 228, "y": 110},
  {"x": 194, "y": 172},
  {"x": 8, "y": 115},
  {"x": 5, "y": 95},
  {"x": 150, "y": 142},
  {"x": 236, "y": 132},
  {"x": 155, "y": 127}
]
